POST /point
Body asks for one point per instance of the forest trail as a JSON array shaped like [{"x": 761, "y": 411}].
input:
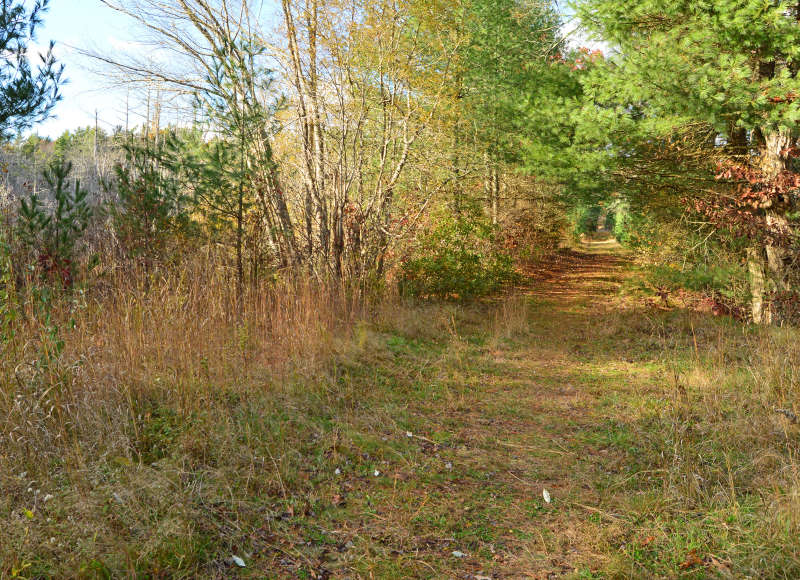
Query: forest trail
[
  {"x": 591, "y": 272},
  {"x": 544, "y": 390},
  {"x": 422, "y": 443}
]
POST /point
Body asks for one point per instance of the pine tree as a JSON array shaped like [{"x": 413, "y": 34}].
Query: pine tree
[
  {"x": 151, "y": 205},
  {"x": 26, "y": 96},
  {"x": 52, "y": 235},
  {"x": 227, "y": 171},
  {"x": 726, "y": 67}
]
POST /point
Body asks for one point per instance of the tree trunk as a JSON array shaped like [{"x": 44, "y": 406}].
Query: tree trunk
[
  {"x": 776, "y": 255},
  {"x": 240, "y": 250},
  {"x": 755, "y": 265},
  {"x": 495, "y": 195},
  {"x": 773, "y": 162}
]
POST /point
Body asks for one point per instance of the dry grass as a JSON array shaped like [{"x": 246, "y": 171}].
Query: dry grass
[
  {"x": 154, "y": 364},
  {"x": 176, "y": 429}
]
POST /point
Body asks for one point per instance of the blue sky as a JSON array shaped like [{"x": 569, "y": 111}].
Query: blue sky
[{"x": 83, "y": 24}]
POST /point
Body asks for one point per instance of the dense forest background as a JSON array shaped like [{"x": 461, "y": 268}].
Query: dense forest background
[{"x": 338, "y": 160}]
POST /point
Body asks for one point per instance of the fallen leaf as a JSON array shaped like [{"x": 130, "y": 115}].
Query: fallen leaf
[
  {"x": 238, "y": 561},
  {"x": 692, "y": 560},
  {"x": 546, "y": 495},
  {"x": 722, "y": 565}
]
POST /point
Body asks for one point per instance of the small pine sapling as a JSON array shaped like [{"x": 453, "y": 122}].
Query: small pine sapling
[{"x": 52, "y": 235}]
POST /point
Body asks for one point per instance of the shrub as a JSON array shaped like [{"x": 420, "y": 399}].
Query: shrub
[
  {"x": 533, "y": 233},
  {"x": 456, "y": 258}
]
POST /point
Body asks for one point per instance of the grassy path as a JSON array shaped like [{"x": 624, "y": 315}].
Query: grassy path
[{"x": 467, "y": 414}]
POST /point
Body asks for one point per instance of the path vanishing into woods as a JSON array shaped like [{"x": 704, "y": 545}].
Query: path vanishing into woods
[{"x": 546, "y": 388}]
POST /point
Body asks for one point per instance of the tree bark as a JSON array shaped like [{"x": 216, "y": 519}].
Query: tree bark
[
  {"x": 495, "y": 195},
  {"x": 755, "y": 265},
  {"x": 773, "y": 163}
]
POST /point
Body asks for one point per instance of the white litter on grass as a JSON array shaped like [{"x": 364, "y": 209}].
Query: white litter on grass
[
  {"x": 48, "y": 497},
  {"x": 238, "y": 561},
  {"x": 338, "y": 471},
  {"x": 377, "y": 473},
  {"x": 448, "y": 466},
  {"x": 409, "y": 434},
  {"x": 546, "y": 495},
  {"x": 458, "y": 554}
]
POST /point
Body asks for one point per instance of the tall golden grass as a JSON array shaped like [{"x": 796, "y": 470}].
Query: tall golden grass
[{"x": 177, "y": 335}]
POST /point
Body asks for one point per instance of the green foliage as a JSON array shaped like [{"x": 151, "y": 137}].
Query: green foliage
[
  {"x": 230, "y": 173},
  {"x": 697, "y": 60},
  {"x": 705, "y": 278},
  {"x": 456, "y": 258},
  {"x": 53, "y": 235},
  {"x": 620, "y": 220},
  {"x": 585, "y": 218},
  {"x": 78, "y": 142},
  {"x": 219, "y": 179},
  {"x": 504, "y": 61},
  {"x": 26, "y": 97},
  {"x": 151, "y": 205}
]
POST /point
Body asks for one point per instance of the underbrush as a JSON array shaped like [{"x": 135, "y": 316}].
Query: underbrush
[
  {"x": 131, "y": 416},
  {"x": 703, "y": 278},
  {"x": 456, "y": 258},
  {"x": 160, "y": 429}
]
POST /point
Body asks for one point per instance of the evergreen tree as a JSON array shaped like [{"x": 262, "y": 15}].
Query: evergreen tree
[
  {"x": 505, "y": 62},
  {"x": 151, "y": 206},
  {"x": 52, "y": 235},
  {"x": 227, "y": 171},
  {"x": 26, "y": 96},
  {"x": 708, "y": 74}
]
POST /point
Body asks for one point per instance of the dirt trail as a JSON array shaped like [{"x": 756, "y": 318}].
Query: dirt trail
[
  {"x": 535, "y": 406},
  {"x": 590, "y": 272}
]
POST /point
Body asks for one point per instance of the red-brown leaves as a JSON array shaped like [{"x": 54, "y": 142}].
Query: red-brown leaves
[
  {"x": 742, "y": 209},
  {"x": 787, "y": 98}
]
